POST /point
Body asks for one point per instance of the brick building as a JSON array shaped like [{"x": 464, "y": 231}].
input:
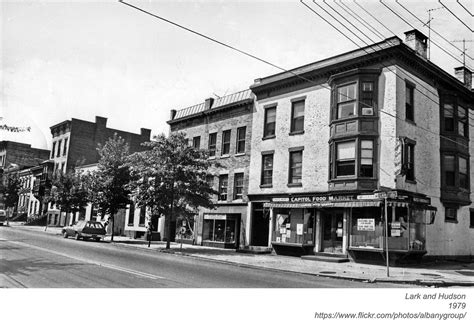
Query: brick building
[
  {"x": 223, "y": 126},
  {"x": 20, "y": 154},
  {"x": 75, "y": 143},
  {"x": 332, "y": 140}
]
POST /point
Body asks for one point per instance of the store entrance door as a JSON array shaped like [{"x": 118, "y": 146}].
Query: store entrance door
[{"x": 332, "y": 232}]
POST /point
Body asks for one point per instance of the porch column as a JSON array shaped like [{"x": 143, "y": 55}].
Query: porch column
[
  {"x": 317, "y": 241},
  {"x": 270, "y": 228}
]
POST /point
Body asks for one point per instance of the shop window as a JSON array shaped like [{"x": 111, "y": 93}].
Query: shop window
[
  {"x": 270, "y": 122},
  {"x": 409, "y": 161},
  {"x": 238, "y": 185},
  {"x": 345, "y": 159},
  {"x": 223, "y": 185},
  {"x": 346, "y": 101},
  {"x": 219, "y": 230},
  {"x": 409, "y": 102},
  {"x": 367, "y": 99},
  {"x": 197, "y": 142},
  {"x": 240, "y": 146},
  {"x": 59, "y": 149},
  {"x": 212, "y": 144},
  {"x": 293, "y": 226},
  {"x": 463, "y": 177},
  {"x": 296, "y": 167},
  {"x": 226, "y": 142},
  {"x": 471, "y": 217},
  {"x": 450, "y": 214},
  {"x": 267, "y": 169},
  {"x": 367, "y": 158},
  {"x": 297, "y": 117},
  {"x": 131, "y": 214},
  {"x": 141, "y": 220},
  {"x": 53, "y": 150}
]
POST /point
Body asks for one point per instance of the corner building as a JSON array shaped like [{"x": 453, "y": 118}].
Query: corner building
[
  {"x": 223, "y": 126},
  {"x": 374, "y": 140}
]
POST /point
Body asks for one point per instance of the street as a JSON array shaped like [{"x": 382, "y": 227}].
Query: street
[{"x": 36, "y": 260}]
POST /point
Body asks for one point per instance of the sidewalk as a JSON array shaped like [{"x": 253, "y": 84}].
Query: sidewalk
[{"x": 439, "y": 274}]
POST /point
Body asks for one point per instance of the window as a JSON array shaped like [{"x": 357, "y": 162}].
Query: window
[
  {"x": 131, "y": 213},
  {"x": 53, "y": 150},
  {"x": 197, "y": 142},
  {"x": 59, "y": 149},
  {"x": 345, "y": 159},
  {"x": 267, "y": 169},
  {"x": 65, "y": 147},
  {"x": 238, "y": 185},
  {"x": 409, "y": 161},
  {"x": 212, "y": 144},
  {"x": 226, "y": 142},
  {"x": 449, "y": 162},
  {"x": 223, "y": 184},
  {"x": 141, "y": 221},
  {"x": 450, "y": 214},
  {"x": 346, "y": 101},
  {"x": 220, "y": 229},
  {"x": 462, "y": 121},
  {"x": 409, "y": 102},
  {"x": 270, "y": 121},
  {"x": 210, "y": 181},
  {"x": 471, "y": 217},
  {"x": 367, "y": 98},
  {"x": 240, "y": 146},
  {"x": 62, "y": 167},
  {"x": 367, "y": 158},
  {"x": 463, "y": 178},
  {"x": 297, "y": 117},
  {"x": 296, "y": 167},
  {"x": 448, "y": 117}
]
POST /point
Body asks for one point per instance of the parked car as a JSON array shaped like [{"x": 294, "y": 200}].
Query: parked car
[
  {"x": 85, "y": 230},
  {"x": 3, "y": 216}
]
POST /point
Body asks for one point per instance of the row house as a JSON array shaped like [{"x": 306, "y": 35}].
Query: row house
[
  {"x": 223, "y": 127},
  {"x": 375, "y": 135},
  {"x": 75, "y": 143}
]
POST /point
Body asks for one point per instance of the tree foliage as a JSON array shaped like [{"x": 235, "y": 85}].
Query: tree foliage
[
  {"x": 10, "y": 188},
  {"x": 107, "y": 185},
  {"x": 171, "y": 178}
]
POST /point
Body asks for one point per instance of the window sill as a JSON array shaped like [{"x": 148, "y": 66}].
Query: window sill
[
  {"x": 411, "y": 122},
  {"x": 224, "y": 156},
  {"x": 451, "y": 221},
  {"x": 130, "y": 225},
  {"x": 296, "y": 133},
  {"x": 212, "y": 158},
  {"x": 141, "y": 225},
  {"x": 268, "y": 137},
  {"x": 294, "y": 184},
  {"x": 266, "y": 186},
  {"x": 410, "y": 181},
  {"x": 239, "y": 154}
]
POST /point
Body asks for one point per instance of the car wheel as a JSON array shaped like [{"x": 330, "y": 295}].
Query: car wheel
[
  {"x": 77, "y": 237},
  {"x": 97, "y": 240},
  {"x": 65, "y": 234}
]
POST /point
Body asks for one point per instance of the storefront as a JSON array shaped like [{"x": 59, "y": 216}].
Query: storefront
[
  {"x": 221, "y": 230},
  {"x": 349, "y": 224}
]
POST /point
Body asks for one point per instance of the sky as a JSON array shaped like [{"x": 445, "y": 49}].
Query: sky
[{"x": 69, "y": 59}]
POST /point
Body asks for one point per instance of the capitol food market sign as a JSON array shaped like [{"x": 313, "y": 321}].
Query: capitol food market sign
[{"x": 311, "y": 199}]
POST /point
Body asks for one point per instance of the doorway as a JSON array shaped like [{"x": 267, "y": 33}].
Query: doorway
[
  {"x": 332, "y": 232},
  {"x": 260, "y": 226}
]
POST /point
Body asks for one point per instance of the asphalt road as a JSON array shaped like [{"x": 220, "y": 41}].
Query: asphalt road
[{"x": 29, "y": 259}]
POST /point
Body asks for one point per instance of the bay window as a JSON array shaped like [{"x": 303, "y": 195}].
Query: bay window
[
  {"x": 345, "y": 159},
  {"x": 463, "y": 178},
  {"x": 367, "y": 158},
  {"x": 346, "y": 101}
]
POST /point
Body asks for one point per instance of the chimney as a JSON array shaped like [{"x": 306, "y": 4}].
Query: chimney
[
  {"x": 100, "y": 121},
  {"x": 145, "y": 132},
  {"x": 172, "y": 114},
  {"x": 464, "y": 75},
  {"x": 208, "y": 103},
  {"x": 417, "y": 41}
]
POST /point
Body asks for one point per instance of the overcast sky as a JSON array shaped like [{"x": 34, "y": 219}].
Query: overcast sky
[{"x": 65, "y": 59}]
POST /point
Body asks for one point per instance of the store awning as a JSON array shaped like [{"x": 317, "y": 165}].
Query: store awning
[{"x": 335, "y": 204}]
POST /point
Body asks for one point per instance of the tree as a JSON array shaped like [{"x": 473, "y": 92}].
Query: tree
[
  {"x": 69, "y": 192},
  {"x": 10, "y": 188},
  {"x": 107, "y": 185},
  {"x": 171, "y": 178}
]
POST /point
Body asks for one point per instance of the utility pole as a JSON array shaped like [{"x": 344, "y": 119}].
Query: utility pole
[
  {"x": 428, "y": 23},
  {"x": 463, "y": 49}
]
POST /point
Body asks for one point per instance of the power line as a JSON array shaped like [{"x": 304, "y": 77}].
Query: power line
[
  {"x": 375, "y": 18},
  {"x": 470, "y": 13},
  {"x": 267, "y": 62},
  {"x": 432, "y": 29},
  {"x": 359, "y": 19},
  {"x": 455, "y": 16},
  {"x": 399, "y": 16}
]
